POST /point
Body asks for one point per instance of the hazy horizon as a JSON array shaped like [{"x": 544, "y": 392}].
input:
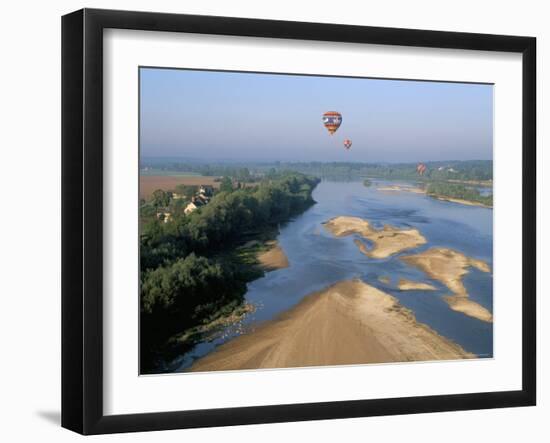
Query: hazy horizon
[
  {"x": 213, "y": 116},
  {"x": 269, "y": 161}
]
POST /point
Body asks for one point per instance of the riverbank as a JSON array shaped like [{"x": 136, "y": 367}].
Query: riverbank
[
  {"x": 386, "y": 241},
  {"x": 485, "y": 183},
  {"x": 417, "y": 190},
  {"x": 460, "y": 201},
  {"x": 251, "y": 261},
  {"x": 449, "y": 267},
  {"x": 401, "y": 188},
  {"x": 226, "y": 317},
  {"x": 193, "y": 266},
  {"x": 350, "y": 322}
]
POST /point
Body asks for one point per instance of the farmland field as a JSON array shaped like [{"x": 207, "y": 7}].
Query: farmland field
[
  {"x": 158, "y": 171},
  {"x": 150, "y": 183}
]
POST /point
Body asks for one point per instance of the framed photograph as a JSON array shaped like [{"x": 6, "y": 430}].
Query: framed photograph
[{"x": 269, "y": 221}]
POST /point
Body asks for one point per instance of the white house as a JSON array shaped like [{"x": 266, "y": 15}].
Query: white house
[
  {"x": 190, "y": 208},
  {"x": 164, "y": 215}
]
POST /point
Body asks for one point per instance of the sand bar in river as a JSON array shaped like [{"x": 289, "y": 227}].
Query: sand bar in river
[
  {"x": 349, "y": 322},
  {"x": 449, "y": 267},
  {"x": 386, "y": 241}
]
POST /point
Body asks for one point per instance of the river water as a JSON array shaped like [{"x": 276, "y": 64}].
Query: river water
[{"x": 318, "y": 259}]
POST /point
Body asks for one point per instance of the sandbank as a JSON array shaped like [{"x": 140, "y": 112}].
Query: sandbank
[
  {"x": 410, "y": 285},
  {"x": 401, "y": 188},
  {"x": 449, "y": 267},
  {"x": 274, "y": 258},
  {"x": 460, "y": 201},
  {"x": 386, "y": 241},
  {"x": 350, "y": 322}
]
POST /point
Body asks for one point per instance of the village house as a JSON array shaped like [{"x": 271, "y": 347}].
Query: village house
[
  {"x": 196, "y": 202},
  {"x": 201, "y": 198},
  {"x": 164, "y": 214},
  {"x": 190, "y": 208},
  {"x": 207, "y": 191}
]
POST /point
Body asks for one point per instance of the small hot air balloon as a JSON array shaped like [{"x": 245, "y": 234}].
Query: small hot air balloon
[
  {"x": 332, "y": 121},
  {"x": 347, "y": 143},
  {"x": 421, "y": 168}
]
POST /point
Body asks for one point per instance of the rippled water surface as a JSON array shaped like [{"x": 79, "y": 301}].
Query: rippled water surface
[{"x": 318, "y": 259}]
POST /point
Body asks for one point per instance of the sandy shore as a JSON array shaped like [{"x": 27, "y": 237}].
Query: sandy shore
[
  {"x": 387, "y": 241},
  {"x": 449, "y": 267},
  {"x": 486, "y": 183},
  {"x": 400, "y": 188},
  {"x": 409, "y": 285},
  {"x": 350, "y": 322},
  {"x": 460, "y": 201},
  {"x": 234, "y": 317},
  {"x": 274, "y": 258}
]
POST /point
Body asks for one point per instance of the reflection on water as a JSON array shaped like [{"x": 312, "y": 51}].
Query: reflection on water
[{"x": 318, "y": 259}]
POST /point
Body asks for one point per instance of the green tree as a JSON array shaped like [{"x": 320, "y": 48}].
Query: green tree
[
  {"x": 188, "y": 191},
  {"x": 226, "y": 184},
  {"x": 182, "y": 294},
  {"x": 160, "y": 198}
]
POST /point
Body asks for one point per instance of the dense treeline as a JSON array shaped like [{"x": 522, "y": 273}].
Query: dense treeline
[
  {"x": 454, "y": 170},
  {"x": 247, "y": 172},
  {"x": 188, "y": 272},
  {"x": 228, "y": 216},
  {"x": 182, "y": 294},
  {"x": 455, "y": 190}
]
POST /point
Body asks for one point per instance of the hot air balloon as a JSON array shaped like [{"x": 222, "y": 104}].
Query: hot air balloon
[
  {"x": 347, "y": 143},
  {"x": 421, "y": 168},
  {"x": 332, "y": 121}
]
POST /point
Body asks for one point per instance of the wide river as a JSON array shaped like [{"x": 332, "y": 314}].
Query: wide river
[{"x": 318, "y": 259}]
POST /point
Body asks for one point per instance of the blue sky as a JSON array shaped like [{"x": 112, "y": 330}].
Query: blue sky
[{"x": 218, "y": 116}]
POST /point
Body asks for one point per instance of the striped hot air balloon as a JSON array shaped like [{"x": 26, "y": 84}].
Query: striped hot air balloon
[
  {"x": 332, "y": 121},
  {"x": 421, "y": 168},
  {"x": 347, "y": 143}
]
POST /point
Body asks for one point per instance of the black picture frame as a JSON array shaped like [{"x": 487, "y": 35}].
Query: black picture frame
[{"x": 82, "y": 218}]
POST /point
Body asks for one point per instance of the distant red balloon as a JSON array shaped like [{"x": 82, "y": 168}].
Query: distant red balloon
[
  {"x": 347, "y": 143},
  {"x": 421, "y": 168}
]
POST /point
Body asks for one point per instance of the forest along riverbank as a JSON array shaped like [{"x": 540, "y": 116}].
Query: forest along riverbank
[
  {"x": 349, "y": 322},
  {"x": 195, "y": 266},
  {"x": 453, "y": 192}
]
